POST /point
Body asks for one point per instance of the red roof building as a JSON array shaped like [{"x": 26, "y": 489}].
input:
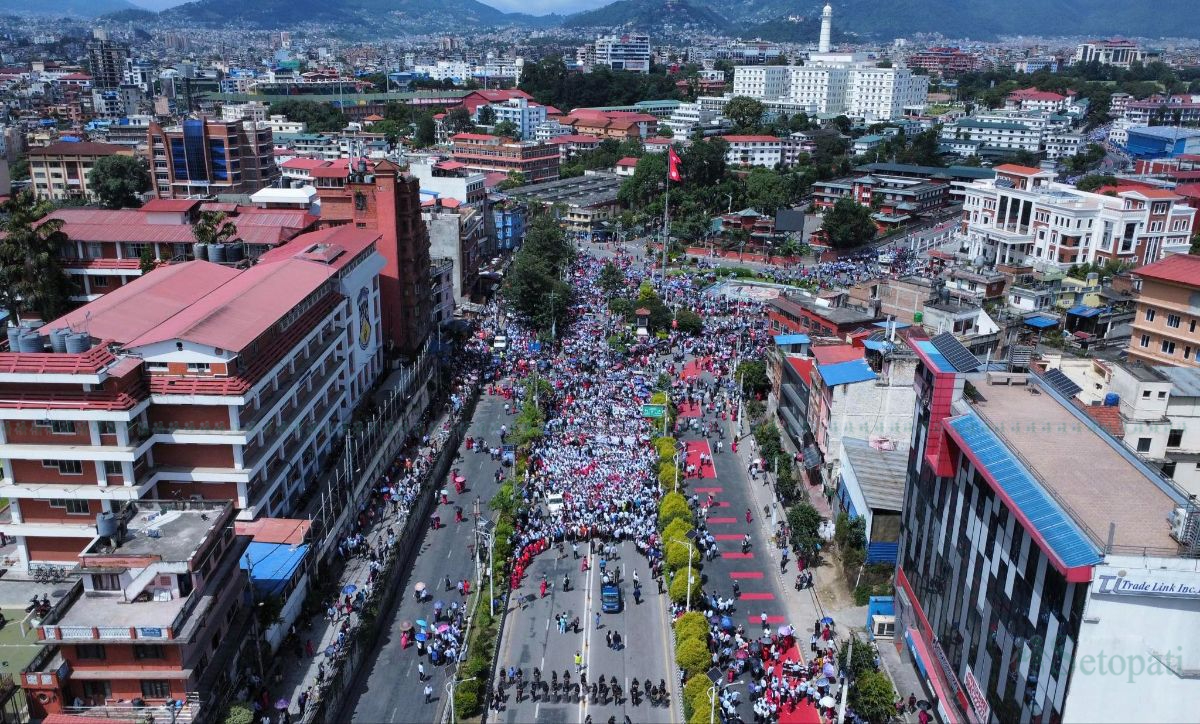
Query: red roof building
[{"x": 1166, "y": 326}]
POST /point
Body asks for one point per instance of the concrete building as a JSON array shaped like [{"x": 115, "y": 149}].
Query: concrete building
[
  {"x": 1023, "y": 217},
  {"x": 483, "y": 153},
  {"x": 457, "y": 232},
  {"x": 870, "y": 485},
  {"x": 59, "y": 171},
  {"x": 1116, "y": 51},
  {"x": 590, "y": 199},
  {"x": 193, "y": 399},
  {"x": 1019, "y": 567},
  {"x": 1161, "y": 141},
  {"x": 1166, "y": 325},
  {"x": 525, "y": 116},
  {"x": 628, "y": 52},
  {"x": 448, "y": 180},
  {"x": 120, "y": 102},
  {"x": 203, "y": 156},
  {"x": 106, "y": 60}
]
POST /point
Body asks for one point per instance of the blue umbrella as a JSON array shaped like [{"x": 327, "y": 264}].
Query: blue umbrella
[
  {"x": 726, "y": 622},
  {"x": 421, "y": 622},
  {"x": 421, "y": 636},
  {"x": 329, "y": 650},
  {"x": 827, "y": 621},
  {"x": 349, "y": 588}
]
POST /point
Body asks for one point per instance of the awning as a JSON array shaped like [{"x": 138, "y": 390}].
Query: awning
[
  {"x": 1040, "y": 322},
  {"x": 1083, "y": 310},
  {"x": 934, "y": 675}
]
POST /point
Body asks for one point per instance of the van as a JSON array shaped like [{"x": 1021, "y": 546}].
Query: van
[
  {"x": 554, "y": 503},
  {"x": 610, "y": 598},
  {"x": 500, "y": 343}
]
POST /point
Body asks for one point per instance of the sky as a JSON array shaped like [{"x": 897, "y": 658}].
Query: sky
[{"x": 545, "y": 7}]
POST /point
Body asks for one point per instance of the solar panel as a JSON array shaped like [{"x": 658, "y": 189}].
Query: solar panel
[
  {"x": 1061, "y": 383},
  {"x": 1019, "y": 356},
  {"x": 1004, "y": 183},
  {"x": 959, "y": 357}
]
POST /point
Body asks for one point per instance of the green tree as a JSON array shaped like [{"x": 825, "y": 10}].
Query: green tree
[
  {"x": 426, "y": 134},
  {"x": 745, "y": 112},
  {"x": 611, "y": 280},
  {"x": 691, "y": 625},
  {"x": 317, "y": 117},
  {"x": 753, "y": 376},
  {"x": 695, "y": 697},
  {"x": 458, "y": 120},
  {"x": 391, "y": 130},
  {"x": 506, "y": 129},
  {"x": 213, "y": 227},
  {"x": 147, "y": 262},
  {"x": 31, "y": 276},
  {"x": 767, "y": 191},
  {"x": 679, "y": 593},
  {"x": 873, "y": 697},
  {"x": 513, "y": 180},
  {"x": 691, "y": 654},
  {"x": 534, "y": 286},
  {"x": 848, "y": 224},
  {"x": 805, "y": 522},
  {"x": 486, "y": 115},
  {"x": 118, "y": 180},
  {"x": 647, "y": 180},
  {"x": 688, "y": 322},
  {"x": 673, "y": 506},
  {"x": 1095, "y": 181}
]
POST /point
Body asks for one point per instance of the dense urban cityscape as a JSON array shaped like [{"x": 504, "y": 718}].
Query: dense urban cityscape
[{"x": 372, "y": 361}]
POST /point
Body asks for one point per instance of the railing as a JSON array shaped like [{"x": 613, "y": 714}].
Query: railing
[{"x": 184, "y": 711}]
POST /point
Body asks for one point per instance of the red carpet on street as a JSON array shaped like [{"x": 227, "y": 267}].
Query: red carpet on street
[
  {"x": 689, "y": 409},
  {"x": 694, "y": 448}
]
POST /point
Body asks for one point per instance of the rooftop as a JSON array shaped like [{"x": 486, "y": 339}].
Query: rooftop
[
  {"x": 161, "y": 530},
  {"x": 1176, "y": 268},
  {"x": 881, "y": 473},
  {"x": 79, "y": 148}
]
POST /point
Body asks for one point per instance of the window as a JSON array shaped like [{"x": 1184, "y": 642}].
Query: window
[
  {"x": 1150, "y": 313},
  {"x": 1162, "y": 395},
  {"x": 62, "y": 427},
  {"x": 1166, "y": 346},
  {"x": 1187, "y": 352},
  {"x": 91, "y": 652},
  {"x": 1143, "y": 444},
  {"x": 198, "y": 368},
  {"x": 1145, "y": 341},
  {"x": 1173, "y": 321},
  {"x": 1192, "y": 326},
  {"x": 106, "y": 582},
  {"x": 100, "y": 282},
  {"x": 112, "y": 467},
  {"x": 147, "y": 651},
  {"x": 65, "y": 467},
  {"x": 156, "y": 689},
  {"x": 1174, "y": 438},
  {"x": 97, "y": 691},
  {"x": 1168, "y": 469},
  {"x": 107, "y": 427},
  {"x": 73, "y": 507}
]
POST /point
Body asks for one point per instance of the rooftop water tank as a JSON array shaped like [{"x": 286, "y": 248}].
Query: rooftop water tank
[
  {"x": 200, "y": 251},
  {"x": 1112, "y": 399},
  {"x": 106, "y": 525},
  {"x": 216, "y": 253},
  {"x": 31, "y": 342},
  {"x": 79, "y": 342},
  {"x": 58, "y": 340},
  {"x": 14, "y": 339},
  {"x": 235, "y": 252}
]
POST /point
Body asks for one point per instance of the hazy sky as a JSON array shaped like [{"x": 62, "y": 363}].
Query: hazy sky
[{"x": 545, "y": 7}]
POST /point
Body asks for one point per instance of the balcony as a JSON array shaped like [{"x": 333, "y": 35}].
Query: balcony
[
  {"x": 182, "y": 712},
  {"x": 315, "y": 388}
]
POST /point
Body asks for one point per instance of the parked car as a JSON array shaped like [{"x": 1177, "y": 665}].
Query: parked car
[{"x": 611, "y": 600}]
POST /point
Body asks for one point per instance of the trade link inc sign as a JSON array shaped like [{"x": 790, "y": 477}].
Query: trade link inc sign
[{"x": 1149, "y": 583}]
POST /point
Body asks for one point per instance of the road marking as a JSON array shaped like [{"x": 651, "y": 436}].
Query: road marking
[
  {"x": 728, "y": 536},
  {"x": 588, "y": 627},
  {"x": 746, "y": 574},
  {"x": 714, "y": 491},
  {"x": 718, "y": 521},
  {"x": 770, "y": 619},
  {"x": 736, "y": 554},
  {"x": 758, "y": 596}
]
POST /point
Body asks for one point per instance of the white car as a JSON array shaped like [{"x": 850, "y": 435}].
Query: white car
[
  {"x": 500, "y": 343},
  {"x": 554, "y": 503}
]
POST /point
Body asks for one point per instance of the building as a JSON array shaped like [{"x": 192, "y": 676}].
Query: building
[
  {"x": 870, "y": 485},
  {"x": 1023, "y": 217},
  {"x": 167, "y": 388},
  {"x": 203, "y": 156},
  {"x": 1162, "y": 141},
  {"x": 483, "y": 153},
  {"x": 895, "y": 200},
  {"x": 1019, "y": 567},
  {"x": 687, "y": 118},
  {"x": 525, "y": 116},
  {"x": 590, "y": 200},
  {"x": 805, "y": 314},
  {"x": 509, "y": 217},
  {"x": 59, "y": 171},
  {"x": 121, "y": 102},
  {"x": 1166, "y": 325},
  {"x": 944, "y": 61},
  {"x": 106, "y": 61},
  {"x": 379, "y": 196},
  {"x": 1032, "y": 99},
  {"x": 610, "y": 124},
  {"x": 147, "y": 628},
  {"x": 748, "y": 151},
  {"x": 1118, "y": 52},
  {"x": 628, "y": 52},
  {"x": 448, "y": 180},
  {"x": 458, "y": 233}
]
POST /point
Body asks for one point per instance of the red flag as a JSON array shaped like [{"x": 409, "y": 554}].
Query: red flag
[{"x": 673, "y": 172}]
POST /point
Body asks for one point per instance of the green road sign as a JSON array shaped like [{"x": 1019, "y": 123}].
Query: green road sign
[{"x": 654, "y": 411}]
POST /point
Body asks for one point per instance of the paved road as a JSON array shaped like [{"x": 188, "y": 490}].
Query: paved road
[
  {"x": 531, "y": 639},
  {"x": 388, "y": 689}
]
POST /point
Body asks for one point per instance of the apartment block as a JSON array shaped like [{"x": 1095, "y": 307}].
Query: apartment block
[
  {"x": 169, "y": 388},
  {"x": 1166, "y": 325},
  {"x": 203, "y": 156},
  {"x": 628, "y": 52},
  {"x": 60, "y": 170},
  {"x": 484, "y": 153}
]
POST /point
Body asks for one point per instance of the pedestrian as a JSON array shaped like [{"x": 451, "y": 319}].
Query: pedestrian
[
  {"x": 749, "y": 518},
  {"x": 420, "y": 671},
  {"x": 617, "y": 640},
  {"x": 578, "y": 662},
  {"x": 608, "y": 638},
  {"x": 575, "y": 550},
  {"x": 597, "y": 620},
  {"x": 428, "y": 694}
]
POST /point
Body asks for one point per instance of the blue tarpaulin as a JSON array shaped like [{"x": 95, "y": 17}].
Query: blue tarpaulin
[
  {"x": 1040, "y": 322},
  {"x": 879, "y": 345},
  {"x": 845, "y": 373},
  {"x": 272, "y": 565},
  {"x": 1082, "y": 310},
  {"x": 786, "y": 339}
]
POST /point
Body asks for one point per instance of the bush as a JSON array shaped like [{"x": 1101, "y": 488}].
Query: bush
[
  {"x": 677, "y": 530},
  {"x": 239, "y": 714},
  {"x": 679, "y": 556},
  {"x": 691, "y": 625},
  {"x": 695, "y": 696},
  {"x": 665, "y": 446},
  {"x": 666, "y": 476},
  {"x": 679, "y": 586},
  {"x": 692, "y": 656},
  {"x": 466, "y": 698},
  {"x": 673, "y": 507}
]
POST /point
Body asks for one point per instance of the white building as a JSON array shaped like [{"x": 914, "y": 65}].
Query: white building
[
  {"x": 457, "y": 71},
  {"x": 1023, "y": 217},
  {"x": 252, "y": 111},
  {"x": 629, "y": 52},
  {"x": 884, "y": 93},
  {"x": 687, "y": 118},
  {"x": 526, "y": 116},
  {"x": 546, "y": 130},
  {"x": 280, "y": 124},
  {"x": 764, "y": 151},
  {"x": 1121, "y": 53}
]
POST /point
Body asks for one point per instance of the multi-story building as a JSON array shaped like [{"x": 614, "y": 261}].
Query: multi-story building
[
  {"x": 485, "y": 153},
  {"x": 762, "y": 151},
  {"x": 457, "y": 232},
  {"x": 1032, "y": 99},
  {"x": 836, "y": 85},
  {"x": 166, "y": 388},
  {"x": 1166, "y": 325},
  {"x": 509, "y": 218},
  {"x": 884, "y": 94},
  {"x": 1118, "y": 52},
  {"x": 1021, "y": 572},
  {"x": 610, "y": 124},
  {"x": 1159, "y": 110},
  {"x": 629, "y": 52},
  {"x": 894, "y": 199},
  {"x": 147, "y": 629},
  {"x": 1023, "y": 217},
  {"x": 125, "y": 100},
  {"x": 60, "y": 170},
  {"x": 448, "y": 180},
  {"x": 207, "y": 157},
  {"x": 525, "y": 116},
  {"x": 687, "y": 118},
  {"x": 106, "y": 60},
  {"x": 944, "y": 61},
  {"x": 141, "y": 73}
]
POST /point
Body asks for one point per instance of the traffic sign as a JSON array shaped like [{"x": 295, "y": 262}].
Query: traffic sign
[{"x": 654, "y": 411}]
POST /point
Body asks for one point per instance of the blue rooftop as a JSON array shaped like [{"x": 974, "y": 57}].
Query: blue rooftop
[
  {"x": 940, "y": 363},
  {"x": 786, "y": 339},
  {"x": 1082, "y": 310},
  {"x": 1041, "y": 322},
  {"x": 272, "y": 565},
  {"x": 846, "y": 373},
  {"x": 1052, "y": 524}
]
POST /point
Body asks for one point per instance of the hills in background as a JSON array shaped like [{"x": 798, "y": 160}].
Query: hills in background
[{"x": 784, "y": 20}]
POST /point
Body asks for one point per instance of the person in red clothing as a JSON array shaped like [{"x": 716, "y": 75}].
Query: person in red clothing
[
  {"x": 749, "y": 517},
  {"x": 542, "y": 587}
]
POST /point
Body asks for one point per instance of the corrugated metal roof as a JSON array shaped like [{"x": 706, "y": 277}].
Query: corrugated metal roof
[
  {"x": 846, "y": 373},
  {"x": 784, "y": 339},
  {"x": 880, "y": 473},
  {"x": 1186, "y": 380}
]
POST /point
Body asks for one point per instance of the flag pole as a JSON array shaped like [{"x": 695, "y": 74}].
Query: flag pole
[{"x": 666, "y": 224}]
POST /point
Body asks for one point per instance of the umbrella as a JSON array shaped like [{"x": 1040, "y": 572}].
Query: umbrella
[
  {"x": 828, "y": 671},
  {"x": 421, "y": 636},
  {"x": 349, "y": 588},
  {"x": 329, "y": 650},
  {"x": 827, "y": 702},
  {"x": 785, "y": 630},
  {"x": 827, "y": 621},
  {"x": 459, "y": 479},
  {"x": 922, "y": 704},
  {"x": 715, "y": 620},
  {"x": 726, "y": 622},
  {"x": 443, "y": 628},
  {"x": 821, "y": 681},
  {"x": 282, "y": 704},
  {"x": 741, "y": 654},
  {"x": 419, "y": 588},
  {"x": 422, "y": 623},
  {"x": 437, "y": 605},
  {"x": 406, "y": 625}
]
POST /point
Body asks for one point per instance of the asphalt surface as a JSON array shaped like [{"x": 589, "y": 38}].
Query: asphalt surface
[{"x": 388, "y": 690}]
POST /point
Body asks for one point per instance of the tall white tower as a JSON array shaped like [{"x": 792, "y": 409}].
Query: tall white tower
[{"x": 826, "y": 28}]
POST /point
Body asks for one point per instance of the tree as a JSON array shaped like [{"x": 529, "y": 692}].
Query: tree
[
  {"x": 31, "y": 276},
  {"x": 679, "y": 594},
  {"x": 873, "y": 697},
  {"x": 213, "y": 228},
  {"x": 753, "y": 374},
  {"x": 691, "y": 654},
  {"x": 118, "y": 180},
  {"x": 534, "y": 286},
  {"x": 673, "y": 506},
  {"x": 486, "y": 115},
  {"x": 745, "y": 112},
  {"x": 426, "y": 134},
  {"x": 767, "y": 191},
  {"x": 317, "y": 117},
  {"x": 513, "y": 180},
  {"x": 848, "y": 224},
  {"x": 147, "y": 262},
  {"x": 611, "y": 280},
  {"x": 391, "y": 130},
  {"x": 458, "y": 121},
  {"x": 691, "y": 625},
  {"x": 1095, "y": 181},
  {"x": 805, "y": 522},
  {"x": 506, "y": 129},
  {"x": 688, "y": 322}
]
